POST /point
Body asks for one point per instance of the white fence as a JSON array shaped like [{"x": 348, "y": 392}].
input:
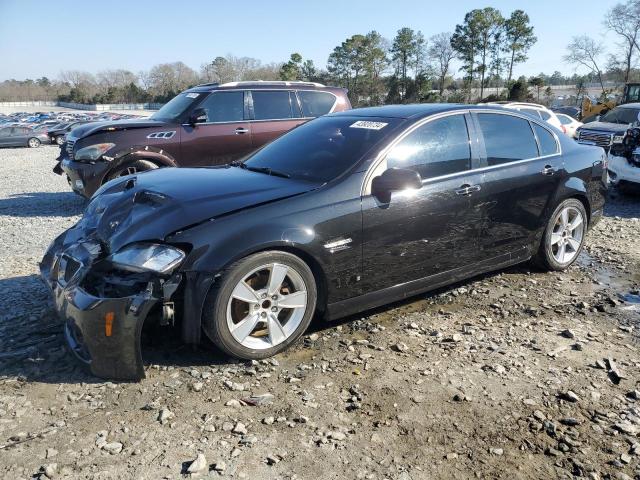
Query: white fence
[
  {"x": 35, "y": 103},
  {"x": 99, "y": 107}
]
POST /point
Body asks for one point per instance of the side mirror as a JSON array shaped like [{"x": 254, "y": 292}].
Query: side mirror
[
  {"x": 395, "y": 179},
  {"x": 198, "y": 116}
]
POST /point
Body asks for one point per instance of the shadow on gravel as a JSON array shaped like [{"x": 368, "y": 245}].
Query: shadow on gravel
[
  {"x": 42, "y": 204},
  {"x": 622, "y": 205}
]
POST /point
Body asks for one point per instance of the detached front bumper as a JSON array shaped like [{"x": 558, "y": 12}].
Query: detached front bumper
[
  {"x": 621, "y": 170},
  {"x": 103, "y": 333}
]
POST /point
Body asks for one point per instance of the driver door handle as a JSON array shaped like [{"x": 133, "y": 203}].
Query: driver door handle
[
  {"x": 548, "y": 170},
  {"x": 241, "y": 130},
  {"x": 467, "y": 189}
]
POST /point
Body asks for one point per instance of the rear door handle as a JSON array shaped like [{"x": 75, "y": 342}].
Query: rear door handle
[
  {"x": 467, "y": 189},
  {"x": 240, "y": 131},
  {"x": 548, "y": 170}
]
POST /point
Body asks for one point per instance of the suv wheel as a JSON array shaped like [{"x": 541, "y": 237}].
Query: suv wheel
[
  {"x": 33, "y": 143},
  {"x": 59, "y": 139},
  {"x": 564, "y": 236},
  {"x": 132, "y": 168},
  {"x": 261, "y": 305}
]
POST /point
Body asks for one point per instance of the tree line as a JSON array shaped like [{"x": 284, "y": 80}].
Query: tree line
[{"x": 476, "y": 61}]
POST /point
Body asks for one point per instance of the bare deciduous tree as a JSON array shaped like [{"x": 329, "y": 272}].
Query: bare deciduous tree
[
  {"x": 584, "y": 51},
  {"x": 624, "y": 20},
  {"x": 441, "y": 54}
]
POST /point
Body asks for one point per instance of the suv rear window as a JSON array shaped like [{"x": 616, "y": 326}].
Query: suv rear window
[
  {"x": 315, "y": 104},
  {"x": 270, "y": 105}
]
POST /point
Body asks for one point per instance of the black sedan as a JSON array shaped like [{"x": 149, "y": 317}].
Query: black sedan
[{"x": 347, "y": 212}]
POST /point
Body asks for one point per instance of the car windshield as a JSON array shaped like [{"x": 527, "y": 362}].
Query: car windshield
[
  {"x": 176, "y": 106},
  {"x": 621, "y": 115},
  {"x": 322, "y": 149}
]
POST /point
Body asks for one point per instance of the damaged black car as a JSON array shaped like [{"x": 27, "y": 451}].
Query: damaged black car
[{"x": 349, "y": 211}]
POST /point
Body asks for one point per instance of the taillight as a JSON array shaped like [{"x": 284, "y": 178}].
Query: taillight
[
  {"x": 605, "y": 162},
  {"x": 564, "y": 129}
]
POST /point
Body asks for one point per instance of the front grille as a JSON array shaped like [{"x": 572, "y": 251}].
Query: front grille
[
  {"x": 69, "y": 148},
  {"x": 597, "y": 138}
]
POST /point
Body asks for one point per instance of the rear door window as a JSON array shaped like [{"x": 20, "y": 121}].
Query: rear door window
[
  {"x": 506, "y": 138},
  {"x": 546, "y": 141},
  {"x": 315, "y": 104},
  {"x": 440, "y": 147},
  {"x": 224, "y": 107},
  {"x": 271, "y": 105}
]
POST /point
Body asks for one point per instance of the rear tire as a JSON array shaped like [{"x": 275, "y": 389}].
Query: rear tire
[
  {"x": 131, "y": 168},
  {"x": 261, "y": 305},
  {"x": 563, "y": 237},
  {"x": 33, "y": 143}
]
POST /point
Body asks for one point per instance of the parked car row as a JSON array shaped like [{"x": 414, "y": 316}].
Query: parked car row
[
  {"x": 341, "y": 213},
  {"x": 32, "y": 130}
]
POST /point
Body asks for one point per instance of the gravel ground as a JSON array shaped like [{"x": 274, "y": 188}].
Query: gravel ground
[{"x": 519, "y": 374}]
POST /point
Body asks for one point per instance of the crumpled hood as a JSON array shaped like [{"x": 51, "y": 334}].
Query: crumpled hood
[
  {"x": 154, "y": 204},
  {"x": 87, "y": 129},
  {"x": 605, "y": 127}
]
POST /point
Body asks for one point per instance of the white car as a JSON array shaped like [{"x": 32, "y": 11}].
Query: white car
[
  {"x": 569, "y": 124},
  {"x": 539, "y": 111}
]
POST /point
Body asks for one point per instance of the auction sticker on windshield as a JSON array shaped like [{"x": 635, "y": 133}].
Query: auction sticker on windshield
[
  {"x": 368, "y": 125},
  {"x": 193, "y": 95}
]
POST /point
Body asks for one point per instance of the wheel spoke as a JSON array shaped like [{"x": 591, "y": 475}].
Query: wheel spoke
[
  {"x": 276, "y": 332},
  {"x": 573, "y": 243},
  {"x": 576, "y": 222},
  {"x": 294, "y": 300},
  {"x": 564, "y": 218},
  {"x": 244, "y": 328},
  {"x": 562, "y": 250},
  {"x": 276, "y": 277},
  {"x": 245, "y": 293},
  {"x": 555, "y": 238}
]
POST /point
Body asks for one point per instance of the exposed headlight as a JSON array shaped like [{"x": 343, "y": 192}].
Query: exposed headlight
[
  {"x": 148, "y": 257},
  {"x": 618, "y": 138},
  {"x": 93, "y": 152}
]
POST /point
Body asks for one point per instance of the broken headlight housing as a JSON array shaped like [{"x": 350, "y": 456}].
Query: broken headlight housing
[
  {"x": 93, "y": 152},
  {"x": 145, "y": 257}
]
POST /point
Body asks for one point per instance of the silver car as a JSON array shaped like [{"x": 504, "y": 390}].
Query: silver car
[{"x": 22, "y": 137}]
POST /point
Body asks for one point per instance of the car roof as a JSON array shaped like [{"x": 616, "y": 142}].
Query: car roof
[
  {"x": 415, "y": 110},
  {"x": 630, "y": 105},
  {"x": 261, "y": 84}
]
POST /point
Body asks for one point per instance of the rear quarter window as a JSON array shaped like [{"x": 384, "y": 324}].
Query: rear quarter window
[
  {"x": 315, "y": 104},
  {"x": 546, "y": 141}
]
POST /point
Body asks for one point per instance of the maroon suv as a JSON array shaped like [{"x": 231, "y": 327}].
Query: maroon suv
[{"x": 209, "y": 124}]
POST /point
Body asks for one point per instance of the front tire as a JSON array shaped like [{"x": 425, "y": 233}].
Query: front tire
[
  {"x": 33, "y": 143},
  {"x": 564, "y": 236},
  {"x": 131, "y": 168},
  {"x": 261, "y": 305},
  {"x": 59, "y": 140}
]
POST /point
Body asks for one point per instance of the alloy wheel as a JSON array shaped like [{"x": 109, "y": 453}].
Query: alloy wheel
[
  {"x": 567, "y": 235},
  {"x": 34, "y": 142},
  {"x": 267, "y": 306}
]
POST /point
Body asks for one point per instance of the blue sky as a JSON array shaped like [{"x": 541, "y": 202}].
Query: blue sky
[{"x": 44, "y": 37}]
